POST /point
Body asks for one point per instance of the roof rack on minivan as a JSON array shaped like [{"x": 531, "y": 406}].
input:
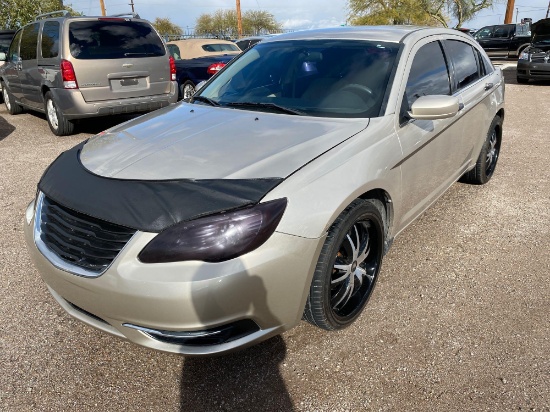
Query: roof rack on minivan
[
  {"x": 63, "y": 13},
  {"x": 134, "y": 15}
]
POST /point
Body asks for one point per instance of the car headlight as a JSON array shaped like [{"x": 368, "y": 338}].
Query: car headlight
[
  {"x": 216, "y": 238},
  {"x": 524, "y": 55}
]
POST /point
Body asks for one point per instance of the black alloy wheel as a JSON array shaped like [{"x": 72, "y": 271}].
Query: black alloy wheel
[{"x": 348, "y": 266}]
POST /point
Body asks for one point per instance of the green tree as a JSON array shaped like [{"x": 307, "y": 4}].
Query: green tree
[
  {"x": 223, "y": 23},
  {"x": 418, "y": 12},
  {"x": 17, "y": 13},
  {"x": 165, "y": 26},
  {"x": 464, "y": 10}
]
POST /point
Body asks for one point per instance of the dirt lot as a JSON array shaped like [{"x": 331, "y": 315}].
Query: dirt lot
[{"x": 460, "y": 319}]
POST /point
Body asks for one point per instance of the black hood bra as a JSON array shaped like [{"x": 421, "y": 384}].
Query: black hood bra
[{"x": 146, "y": 205}]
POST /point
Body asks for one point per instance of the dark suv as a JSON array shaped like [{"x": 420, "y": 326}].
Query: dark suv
[
  {"x": 72, "y": 67},
  {"x": 504, "y": 40}
]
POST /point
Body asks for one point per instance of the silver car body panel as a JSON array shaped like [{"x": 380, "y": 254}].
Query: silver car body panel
[{"x": 327, "y": 164}]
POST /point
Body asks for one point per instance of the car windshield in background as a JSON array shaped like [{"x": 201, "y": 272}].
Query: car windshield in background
[
  {"x": 4, "y": 45},
  {"x": 112, "y": 39},
  {"x": 326, "y": 78}
]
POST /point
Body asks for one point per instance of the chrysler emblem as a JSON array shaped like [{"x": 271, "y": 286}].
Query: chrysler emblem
[{"x": 127, "y": 65}]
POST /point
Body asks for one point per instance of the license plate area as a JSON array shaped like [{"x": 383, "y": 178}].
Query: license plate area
[{"x": 128, "y": 84}]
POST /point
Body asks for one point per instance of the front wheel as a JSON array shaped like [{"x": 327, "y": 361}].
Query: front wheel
[
  {"x": 57, "y": 122},
  {"x": 488, "y": 157},
  {"x": 11, "y": 106},
  {"x": 348, "y": 266}
]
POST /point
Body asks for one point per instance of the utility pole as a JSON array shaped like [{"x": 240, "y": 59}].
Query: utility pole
[
  {"x": 509, "y": 12},
  {"x": 517, "y": 14},
  {"x": 548, "y": 10},
  {"x": 102, "y": 4},
  {"x": 132, "y": 4},
  {"x": 239, "y": 20}
]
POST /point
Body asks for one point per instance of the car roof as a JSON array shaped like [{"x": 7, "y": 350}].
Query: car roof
[{"x": 394, "y": 34}]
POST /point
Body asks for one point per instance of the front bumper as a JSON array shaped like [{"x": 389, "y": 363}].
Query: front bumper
[
  {"x": 268, "y": 286},
  {"x": 539, "y": 70},
  {"x": 73, "y": 106}
]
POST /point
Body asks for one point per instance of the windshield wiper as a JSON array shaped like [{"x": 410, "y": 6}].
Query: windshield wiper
[
  {"x": 205, "y": 100},
  {"x": 271, "y": 106}
]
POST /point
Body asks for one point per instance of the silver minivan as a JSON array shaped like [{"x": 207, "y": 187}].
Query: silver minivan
[{"x": 73, "y": 67}]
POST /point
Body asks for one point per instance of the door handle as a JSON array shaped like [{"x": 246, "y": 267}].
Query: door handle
[{"x": 488, "y": 86}]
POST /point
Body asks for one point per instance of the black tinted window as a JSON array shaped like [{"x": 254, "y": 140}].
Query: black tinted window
[
  {"x": 50, "y": 39},
  {"x": 464, "y": 62},
  {"x": 113, "y": 39},
  {"x": 220, "y": 47},
  {"x": 29, "y": 40},
  {"x": 429, "y": 74},
  {"x": 502, "y": 32}
]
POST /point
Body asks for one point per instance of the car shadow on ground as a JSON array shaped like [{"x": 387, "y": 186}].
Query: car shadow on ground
[
  {"x": 249, "y": 380},
  {"x": 6, "y": 128},
  {"x": 94, "y": 125},
  {"x": 510, "y": 78}
]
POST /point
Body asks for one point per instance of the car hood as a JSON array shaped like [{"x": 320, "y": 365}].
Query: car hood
[
  {"x": 193, "y": 141},
  {"x": 540, "y": 33}
]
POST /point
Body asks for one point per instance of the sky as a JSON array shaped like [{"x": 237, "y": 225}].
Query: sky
[{"x": 292, "y": 14}]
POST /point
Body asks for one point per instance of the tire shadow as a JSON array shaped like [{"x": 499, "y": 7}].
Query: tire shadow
[{"x": 6, "y": 128}]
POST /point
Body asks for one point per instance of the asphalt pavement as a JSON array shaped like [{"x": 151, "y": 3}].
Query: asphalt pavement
[{"x": 460, "y": 319}]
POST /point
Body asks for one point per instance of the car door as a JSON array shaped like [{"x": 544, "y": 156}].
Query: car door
[
  {"x": 429, "y": 163},
  {"x": 12, "y": 67},
  {"x": 29, "y": 76},
  {"x": 499, "y": 43},
  {"x": 473, "y": 88}
]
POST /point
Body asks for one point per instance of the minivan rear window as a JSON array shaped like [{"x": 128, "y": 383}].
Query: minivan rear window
[{"x": 110, "y": 39}]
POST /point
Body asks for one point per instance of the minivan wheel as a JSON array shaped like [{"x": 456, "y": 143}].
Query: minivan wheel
[
  {"x": 9, "y": 101},
  {"x": 348, "y": 266},
  {"x": 187, "y": 90},
  {"x": 488, "y": 157},
  {"x": 58, "y": 124}
]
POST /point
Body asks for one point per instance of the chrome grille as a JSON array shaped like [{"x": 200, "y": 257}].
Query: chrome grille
[{"x": 77, "y": 239}]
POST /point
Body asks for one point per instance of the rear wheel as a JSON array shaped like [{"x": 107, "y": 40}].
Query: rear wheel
[
  {"x": 348, "y": 266},
  {"x": 488, "y": 157},
  {"x": 58, "y": 124},
  {"x": 187, "y": 90},
  {"x": 9, "y": 101}
]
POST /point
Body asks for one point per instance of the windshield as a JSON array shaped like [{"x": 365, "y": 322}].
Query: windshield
[
  {"x": 4, "y": 44},
  {"x": 329, "y": 78}
]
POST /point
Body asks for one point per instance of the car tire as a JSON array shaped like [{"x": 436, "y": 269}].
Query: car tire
[
  {"x": 488, "y": 157},
  {"x": 522, "y": 80},
  {"x": 345, "y": 277},
  {"x": 187, "y": 89},
  {"x": 59, "y": 125},
  {"x": 9, "y": 101}
]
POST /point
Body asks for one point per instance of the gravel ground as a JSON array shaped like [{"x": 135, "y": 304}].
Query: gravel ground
[{"x": 459, "y": 321}]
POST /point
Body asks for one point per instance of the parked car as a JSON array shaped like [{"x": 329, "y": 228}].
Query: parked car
[
  {"x": 192, "y": 48},
  {"x": 273, "y": 194},
  {"x": 534, "y": 61},
  {"x": 504, "y": 40},
  {"x": 5, "y": 40},
  {"x": 190, "y": 72},
  {"x": 72, "y": 67}
]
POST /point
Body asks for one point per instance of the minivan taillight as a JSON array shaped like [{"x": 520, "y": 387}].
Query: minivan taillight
[
  {"x": 214, "y": 68},
  {"x": 172, "y": 69},
  {"x": 68, "y": 75}
]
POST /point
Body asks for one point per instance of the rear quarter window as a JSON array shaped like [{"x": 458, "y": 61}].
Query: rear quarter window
[{"x": 113, "y": 39}]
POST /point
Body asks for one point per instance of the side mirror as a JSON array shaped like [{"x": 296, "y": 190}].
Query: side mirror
[
  {"x": 3, "y": 57},
  {"x": 434, "y": 107}
]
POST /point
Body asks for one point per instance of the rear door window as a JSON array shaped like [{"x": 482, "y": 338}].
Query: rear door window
[
  {"x": 29, "y": 41},
  {"x": 113, "y": 39},
  {"x": 464, "y": 62},
  {"x": 50, "y": 39},
  {"x": 502, "y": 32}
]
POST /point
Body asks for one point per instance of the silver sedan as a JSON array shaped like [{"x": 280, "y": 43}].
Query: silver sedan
[{"x": 273, "y": 194}]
